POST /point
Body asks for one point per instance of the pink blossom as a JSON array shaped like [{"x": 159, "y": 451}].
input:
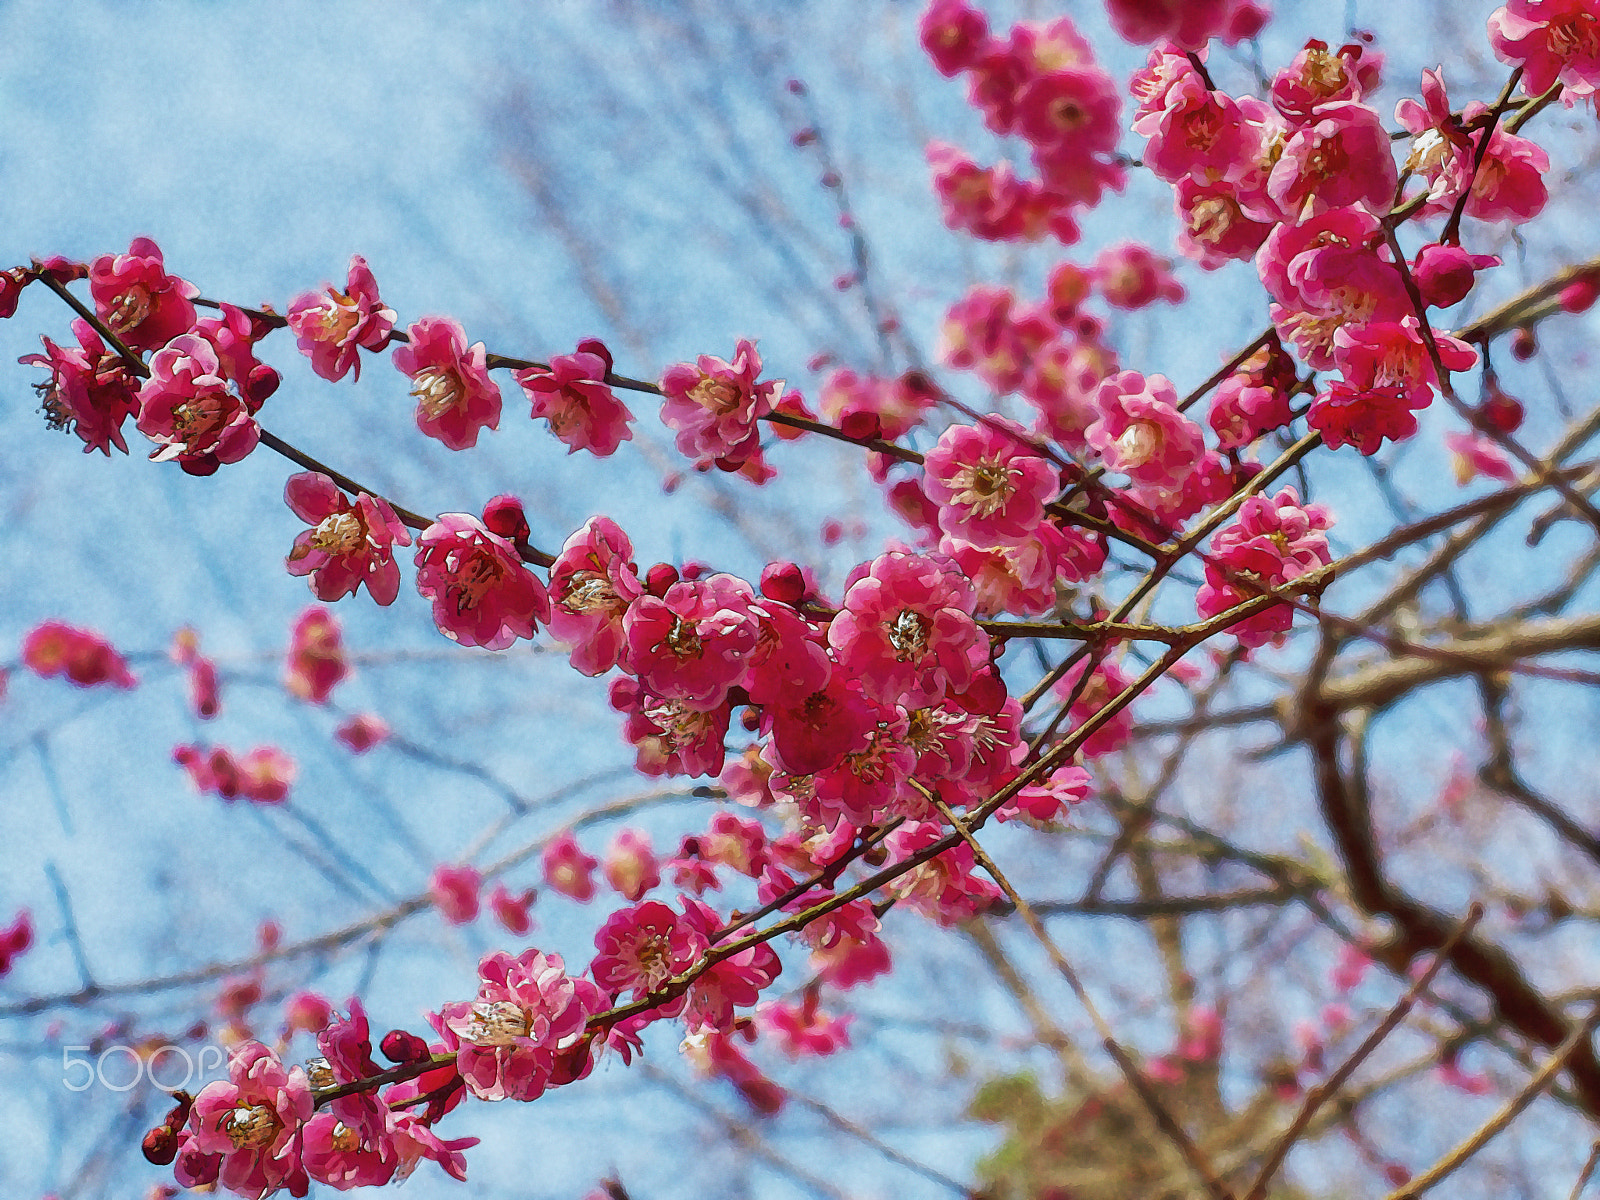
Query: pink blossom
[
  {"x": 992, "y": 203},
  {"x": 733, "y": 982},
  {"x": 262, "y": 775},
  {"x": 691, "y": 643},
  {"x": 991, "y": 488},
  {"x": 713, "y": 405},
  {"x": 1050, "y": 799},
  {"x": 482, "y": 594},
  {"x": 348, "y": 544},
  {"x": 1270, "y": 543},
  {"x": 567, "y": 869},
  {"x": 1106, "y": 681},
  {"x": 456, "y": 399},
  {"x": 804, "y": 1029},
  {"x": 1216, "y": 228},
  {"x": 641, "y": 948},
  {"x": 1384, "y": 354},
  {"x": 15, "y": 940},
  {"x": 954, "y": 35},
  {"x": 512, "y": 910},
  {"x": 316, "y": 661},
  {"x": 670, "y": 736},
  {"x": 1445, "y": 273},
  {"x": 1339, "y": 159},
  {"x": 136, "y": 298},
  {"x": 874, "y": 407},
  {"x": 1244, "y": 408},
  {"x": 906, "y": 628},
  {"x": 1189, "y": 23},
  {"x": 867, "y": 783},
  {"x": 1021, "y": 579},
  {"x": 306, "y": 1011},
  {"x": 1130, "y": 275},
  {"x": 83, "y": 656},
  {"x": 1061, "y": 383},
  {"x": 630, "y": 865},
  {"x": 1141, "y": 434},
  {"x": 331, "y": 326},
  {"x": 945, "y": 889},
  {"x": 1197, "y": 132},
  {"x": 528, "y": 1016},
  {"x": 1348, "y": 414},
  {"x": 1551, "y": 40},
  {"x": 592, "y": 583},
  {"x": 736, "y": 843},
  {"x": 188, "y": 409},
  {"x": 89, "y": 389},
  {"x": 982, "y": 332},
  {"x": 362, "y": 732},
  {"x": 454, "y": 891},
  {"x": 1316, "y": 77},
  {"x": 1473, "y": 454},
  {"x": 344, "y": 1156},
  {"x": 573, "y": 397},
  {"x": 253, "y": 1122}
]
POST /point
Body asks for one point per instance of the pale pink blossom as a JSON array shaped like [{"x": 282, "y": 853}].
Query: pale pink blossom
[
  {"x": 1141, "y": 434},
  {"x": 630, "y": 865},
  {"x": 713, "y": 405},
  {"x": 567, "y": 869},
  {"x": 252, "y": 1122},
  {"x": 1130, "y": 275}
]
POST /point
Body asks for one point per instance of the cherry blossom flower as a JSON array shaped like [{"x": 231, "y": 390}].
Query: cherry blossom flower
[
  {"x": 733, "y": 982},
  {"x": 1551, "y": 40},
  {"x": 1105, "y": 682},
  {"x": 512, "y": 910},
  {"x": 954, "y": 34},
  {"x": 528, "y": 1015},
  {"x": 868, "y": 406},
  {"x": 592, "y": 583},
  {"x": 992, "y": 203},
  {"x": 1339, "y": 159},
  {"x": 330, "y": 326},
  {"x": 804, "y": 1029},
  {"x": 670, "y": 736},
  {"x": 204, "y": 692},
  {"x": 89, "y": 389},
  {"x": 1216, "y": 228},
  {"x": 1270, "y": 543},
  {"x": 1021, "y": 579},
  {"x": 991, "y": 488},
  {"x": 1472, "y": 455},
  {"x": 139, "y": 302},
  {"x": 945, "y": 889},
  {"x": 482, "y": 594},
  {"x": 1141, "y": 433},
  {"x": 454, "y": 891},
  {"x": 1317, "y": 77},
  {"x": 906, "y": 629},
  {"x": 713, "y": 405},
  {"x": 1131, "y": 275},
  {"x": 1188, "y": 23},
  {"x": 641, "y": 948},
  {"x": 15, "y": 940},
  {"x": 362, "y": 732},
  {"x": 189, "y": 410},
  {"x": 1445, "y": 273},
  {"x": 630, "y": 865},
  {"x": 348, "y": 544},
  {"x": 249, "y": 1126},
  {"x": 1196, "y": 132},
  {"x": 567, "y": 869},
  {"x": 1252, "y": 401},
  {"x": 83, "y": 656},
  {"x": 456, "y": 399},
  {"x": 691, "y": 642},
  {"x": 316, "y": 661},
  {"x": 573, "y": 397},
  {"x": 263, "y": 775}
]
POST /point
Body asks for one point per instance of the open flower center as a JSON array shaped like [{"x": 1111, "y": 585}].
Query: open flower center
[
  {"x": 251, "y": 1126},
  {"x": 984, "y": 487},
  {"x": 684, "y": 640},
  {"x": 480, "y": 573},
  {"x": 438, "y": 390},
  {"x": 131, "y": 307},
  {"x": 499, "y": 1023},
  {"x": 1139, "y": 443},
  {"x": 339, "y": 534},
  {"x": 908, "y": 634},
  {"x": 715, "y": 395},
  {"x": 590, "y": 591}
]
